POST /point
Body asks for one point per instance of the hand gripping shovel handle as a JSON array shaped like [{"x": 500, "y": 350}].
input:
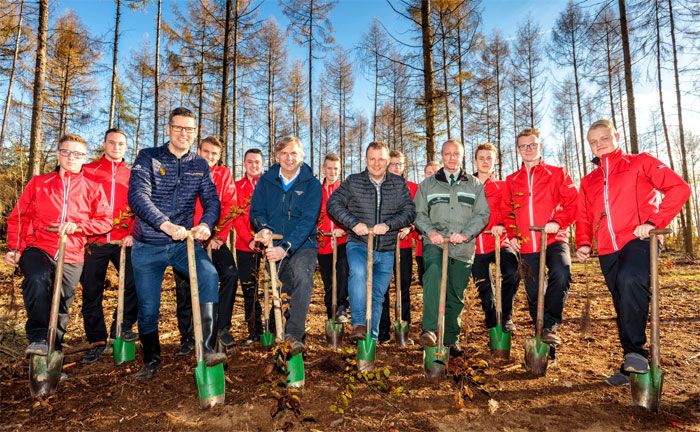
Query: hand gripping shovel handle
[
  {"x": 654, "y": 266},
  {"x": 194, "y": 293},
  {"x": 540, "y": 280}
]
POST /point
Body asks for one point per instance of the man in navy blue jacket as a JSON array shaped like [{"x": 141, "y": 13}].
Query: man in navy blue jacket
[
  {"x": 287, "y": 201},
  {"x": 165, "y": 183}
]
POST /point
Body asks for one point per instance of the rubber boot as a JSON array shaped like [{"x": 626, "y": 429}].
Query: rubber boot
[
  {"x": 150, "y": 344},
  {"x": 210, "y": 313}
]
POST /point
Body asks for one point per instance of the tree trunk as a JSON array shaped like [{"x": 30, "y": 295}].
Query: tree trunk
[
  {"x": 113, "y": 89},
  {"x": 270, "y": 119},
  {"x": 578, "y": 105},
  {"x": 498, "y": 111},
  {"x": 428, "y": 84},
  {"x": 311, "y": 96},
  {"x": 444, "y": 76},
  {"x": 376, "y": 96},
  {"x": 234, "y": 89},
  {"x": 629, "y": 87},
  {"x": 138, "y": 118},
  {"x": 610, "y": 85},
  {"x": 658, "y": 78},
  {"x": 223, "y": 109},
  {"x": 156, "y": 79},
  {"x": 8, "y": 100},
  {"x": 35, "y": 143},
  {"x": 65, "y": 92},
  {"x": 461, "y": 92},
  {"x": 200, "y": 72}
]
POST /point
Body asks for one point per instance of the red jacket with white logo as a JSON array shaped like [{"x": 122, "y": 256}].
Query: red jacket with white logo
[
  {"x": 326, "y": 223},
  {"x": 413, "y": 235},
  {"x": 114, "y": 178},
  {"x": 485, "y": 243},
  {"x": 244, "y": 230},
  {"x": 49, "y": 200},
  {"x": 624, "y": 192},
  {"x": 534, "y": 197},
  {"x": 226, "y": 190}
]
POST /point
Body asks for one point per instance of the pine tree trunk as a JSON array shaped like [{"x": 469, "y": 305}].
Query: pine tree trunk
[
  {"x": 8, "y": 99},
  {"x": 580, "y": 114},
  {"x": 234, "y": 90},
  {"x": 113, "y": 90},
  {"x": 35, "y": 143},
  {"x": 428, "y": 84},
  {"x": 223, "y": 109},
  {"x": 156, "y": 79},
  {"x": 629, "y": 86},
  {"x": 658, "y": 78},
  {"x": 610, "y": 84},
  {"x": 444, "y": 77},
  {"x": 311, "y": 96}
]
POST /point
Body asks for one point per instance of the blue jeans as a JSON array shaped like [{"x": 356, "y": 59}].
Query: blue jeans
[
  {"x": 149, "y": 263},
  {"x": 382, "y": 269}
]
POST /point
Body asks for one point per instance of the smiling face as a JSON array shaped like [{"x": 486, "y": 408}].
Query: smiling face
[
  {"x": 529, "y": 148},
  {"x": 71, "y": 155},
  {"x": 115, "y": 146},
  {"x": 331, "y": 169},
  {"x": 253, "y": 164},
  {"x": 485, "y": 161},
  {"x": 289, "y": 158},
  {"x": 182, "y": 131},
  {"x": 377, "y": 160},
  {"x": 603, "y": 140},
  {"x": 396, "y": 165},
  {"x": 210, "y": 152}
]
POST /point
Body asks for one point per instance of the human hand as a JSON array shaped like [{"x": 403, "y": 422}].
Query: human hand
[
  {"x": 67, "y": 228},
  {"x": 380, "y": 229},
  {"x": 215, "y": 243},
  {"x": 201, "y": 232},
  {"x": 551, "y": 228},
  {"x": 498, "y": 230},
  {"x": 435, "y": 238},
  {"x": 583, "y": 253},
  {"x": 275, "y": 254},
  {"x": 403, "y": 232},
  {"x": 360, "y": 229},
  {"x": 458, "y": 238},
  {"x": 176, "y": 232},
  {"x": 515, "y": 244},
  {"x": 12, "y": 258},
  {"x": 128, "y": 241},
  {"x": 642, "y": 231},
  {"x": 337, "y": 233}
]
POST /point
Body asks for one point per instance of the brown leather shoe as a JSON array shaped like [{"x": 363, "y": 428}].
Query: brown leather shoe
[{"x": 358, "y": 333}]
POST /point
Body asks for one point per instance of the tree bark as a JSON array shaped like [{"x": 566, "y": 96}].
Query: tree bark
[
  {"x": 629, "y": 86},
  {"x": 234, "y": 88},
  {"x": 662, "y": 108},
  {"x": 8, "y": 100},
  {"x": 578, "y": 105},
  {"x": 156, "y": 73},
  {"x": 428, "y": 84},
  {"x": 223, "y": 109},
  {"x": 113, "y": 89},
  {"x": 311, "y": 96},
  {"x": 35, "y": 143}
]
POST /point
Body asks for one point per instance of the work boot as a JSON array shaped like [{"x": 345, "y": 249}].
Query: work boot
[
  {"x": 341, "y": 315},
  {"x": 509, "y": 326},
  {"x": 296, "y": 345},
  {"x": 618, "y": 379},
  {"x": 428, "y": 338},
  {"x": 635, "y": 363},
  {"x": 129, "y": 336},
  {"x": 186, "y": 348},
  {"x": 226, "y": 339},
  {"x": 150, "y": 345},
  {"x": 94, "y": 353},
  {"x": 456, "y": 350},
  {"x": 358, "y": 333},
  {"x": 210, "y": 312},
  {"x": 550, "y": 337},
  {"x": 38, "y": 348}
]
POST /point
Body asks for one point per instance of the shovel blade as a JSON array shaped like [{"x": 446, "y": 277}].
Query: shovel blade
[
  {"x": 334, "y": 333},
  {"x": 536, "y": 356},
  {"x": 401, "y": 333},
  {"x": 45, "y": 373},
  {"x": 123, "y": 351},
  {"x": 295, "y": 371},
  {"x": 211, "y": 384},
  {"x": 267, "y": 339},
  {"x": 499, "y": 342},
  {"x": 647, "y": 388},
  {"x": 366, "y": 354},
  {"x": 435, "y": 362}
]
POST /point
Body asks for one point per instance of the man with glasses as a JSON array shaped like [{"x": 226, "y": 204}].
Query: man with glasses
[
  {"x": 165, "y": 183},
  {"x": 539, "y": 194},
  {"x": 78, "y": 207},
  {"x": 111, "y": 172}
]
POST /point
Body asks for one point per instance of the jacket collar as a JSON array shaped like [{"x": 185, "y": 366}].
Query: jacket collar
[
  {"x": 165, "y": 151},
  {"x": 104, "y": 159},
  {"x": 612, "y": 156},
  {"x": 273, "y": 174},
  {"x": 442, "y": 177}
]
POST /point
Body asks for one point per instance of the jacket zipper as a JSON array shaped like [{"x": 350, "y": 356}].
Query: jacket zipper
[
  {"x": 607, "y": 204},
  {"x": 111, "y": 198},
  {"x": 64, "y": 208},
  {"x": 530, "y": 184}
]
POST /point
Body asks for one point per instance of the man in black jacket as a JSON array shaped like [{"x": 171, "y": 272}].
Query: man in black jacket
[{"x": 377, "y": 201}]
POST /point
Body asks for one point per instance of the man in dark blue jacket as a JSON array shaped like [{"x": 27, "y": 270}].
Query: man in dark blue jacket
[
  {"x": 165, "y": 183},
  {"x": 287, "y": 201}
]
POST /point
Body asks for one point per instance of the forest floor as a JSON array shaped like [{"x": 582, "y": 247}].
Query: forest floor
[{"x": 572, "y": 395}]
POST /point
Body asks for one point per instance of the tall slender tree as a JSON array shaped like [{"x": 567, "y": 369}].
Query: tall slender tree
[
  {"x": 15, "y": 56},
  {"x": 35, "y": 143}
]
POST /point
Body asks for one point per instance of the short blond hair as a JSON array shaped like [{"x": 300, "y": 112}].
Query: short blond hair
[
  {"x": 287, "y": 141},
  {"x": 603, "y": 123}
]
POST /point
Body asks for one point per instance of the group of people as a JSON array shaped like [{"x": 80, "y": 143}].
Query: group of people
[{"x": 289, "y": 217}]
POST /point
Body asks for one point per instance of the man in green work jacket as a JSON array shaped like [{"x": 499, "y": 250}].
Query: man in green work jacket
[{"x": 450, "y": 205}]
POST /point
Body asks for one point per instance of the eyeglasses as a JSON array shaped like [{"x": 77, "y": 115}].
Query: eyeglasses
[
  {"x": 397, "y": 164},
  {"x": 68, "y": 153},
  {"x": 189, "y": 130},
  {"x": 531, "y": 146}
]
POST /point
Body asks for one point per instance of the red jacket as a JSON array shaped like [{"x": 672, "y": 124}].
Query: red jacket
[
  {"x": 49, "y": 200},
  {"x": 543, "y": 194},
  {"x": 413, "y": 235},
  {"x": 326, "y": 223},
  {"x": 114, "y": 178},
  {"x": 623, "y": 192},
  {"x": 244, "y": 230},
  {"x": 226, "y": 190},
  {"x": 485, "y": 242}
]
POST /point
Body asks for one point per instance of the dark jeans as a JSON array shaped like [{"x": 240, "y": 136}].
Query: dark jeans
[
  {"x": 558, "y": 262},
  {"x": 297, "y": 276},
  {"x": 150, "y": 262},
  {"x": 222, "y": 259},
  {"x": 483, "y": 279},
  {"x": 406, "y": 271},
  {"x": 248, "y": 267},
  {"x": 626, "y": 273},
  {"x": 421, "y": 268},
  {"x": 325, "y": 267},
  {"x": 37, "y": 289},
  {"x": 97, "y": 259}
]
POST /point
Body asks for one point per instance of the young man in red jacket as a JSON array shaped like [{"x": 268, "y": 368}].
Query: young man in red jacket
[
  {"x": 485, "y": 159},
  {"x": 539, "y": 194},
  {"x": 326, "y": 224},
  {"x": 246, "y": 253},
  {"x": 210, "y": 148},
  {"x": 397, "y": 165},
  {"x": 111, "y": 172},
  {"x": 66, "y": 200},
  {"x": 623, "y": 199}
]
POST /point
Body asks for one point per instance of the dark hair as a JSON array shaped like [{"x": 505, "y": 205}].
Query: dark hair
[
  {"x": 182, "y": 112},
  {"x": 486, "y": 146},
  {"x": 253, "y": 151},
  {"x": 376, "y": 145},
  {"x": 211, "y": 139},
  {"x": 332, "y": 157},
  {"x": 396, "y": 154},
  {"x": 71, "y": 137},
  {"x": 115, "y": 130}
]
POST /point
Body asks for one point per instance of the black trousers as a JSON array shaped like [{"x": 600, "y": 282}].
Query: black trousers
[
  {"x": 626, "y": 274},
  {"x": 222, "y": 259},
  {"x": 97, "y": 259},
  {"x": 325, "y": 267},
  {"x": 483, "y": 279},
  {"x": 37, "y": 289},
  {"x": 557, "y": 282},
  {"x": 248, "y": 267},
  {"x": 420, "y": 267},
  {"x": 406, "y": 270}
]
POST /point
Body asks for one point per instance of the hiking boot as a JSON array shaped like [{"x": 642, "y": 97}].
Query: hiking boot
[
  {"x": 635, "y": 363},
  {"x": 509, "y": 326},
  {"x": 186, "y": 348},
  {"x": 617, "y": 379},
  {"x": 358, "y": 333},
  {"x": 129, "y": 336},
  {"x": 428, "y": 338},
  {"x": 150, "y": 348},
  {"x": 550, "y": 337},
  {"x": 456, "y": 350},
  {"x": 341, "y": 316},
  {"x": 94, "y": 353},
  {"x": 296, "y": 345},
  {"x": 226, "y": 339},
  {"x": 37, "y": 348}
]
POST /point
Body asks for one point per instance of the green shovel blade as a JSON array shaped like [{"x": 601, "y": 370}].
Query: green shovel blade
[
  {"x": 646, "y": 388},
  {"x": 211, "y": 383},
  {"x": 536, "y": 356},
  {"x": 295, "y": 371},
  {"x": 267, "y": 339},
  {"x": 123, "y": 351},
  {"x": 366, "y": 353},
  {"x": 435, "y": 361},
  {"x": 45, "y": 373},
  {"x": 499, "y": 340}
]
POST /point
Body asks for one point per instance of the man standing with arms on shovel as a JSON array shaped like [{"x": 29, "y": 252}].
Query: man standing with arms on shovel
[
  {"x": 287, "y": 201},
  {"x": 621, "y": 201},
  {"x": 539, "y": 194},
  {"x": 451, "y": 205},
  {"x": 165, "y": 183},
  {"x": 112, "y": 173},
  {"x": 378, "y": 201}
]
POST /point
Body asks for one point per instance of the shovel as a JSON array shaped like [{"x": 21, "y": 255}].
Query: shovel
[
  {"x": 211, "y": 382},
  {"x": 123, "y": 351},
  {"x": 537, "y": 351},
  {"x": 45, "y": 371},
  {"x": 400, "y": 326},
  {"x": 435, "y": 358},
  {"x": 499, "y": 340},
  {"x": 367, "y": 348},
  {"x": 647, "y": 387},
  {"x": 334, "y": 330},
  {"x": 585, "y": 324}
]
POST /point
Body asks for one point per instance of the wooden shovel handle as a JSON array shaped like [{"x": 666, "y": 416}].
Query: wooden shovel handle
[
  {"x": 443, "y": 293},
  {"x": 654, "y": 276},
  {"x": 368, "y": 286},
  {"x": 120, "y": 295},
  {"x": 540, "y": 279},
  {"x": 194, "y": 295},
  {"x": 55, "y": 229}
]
